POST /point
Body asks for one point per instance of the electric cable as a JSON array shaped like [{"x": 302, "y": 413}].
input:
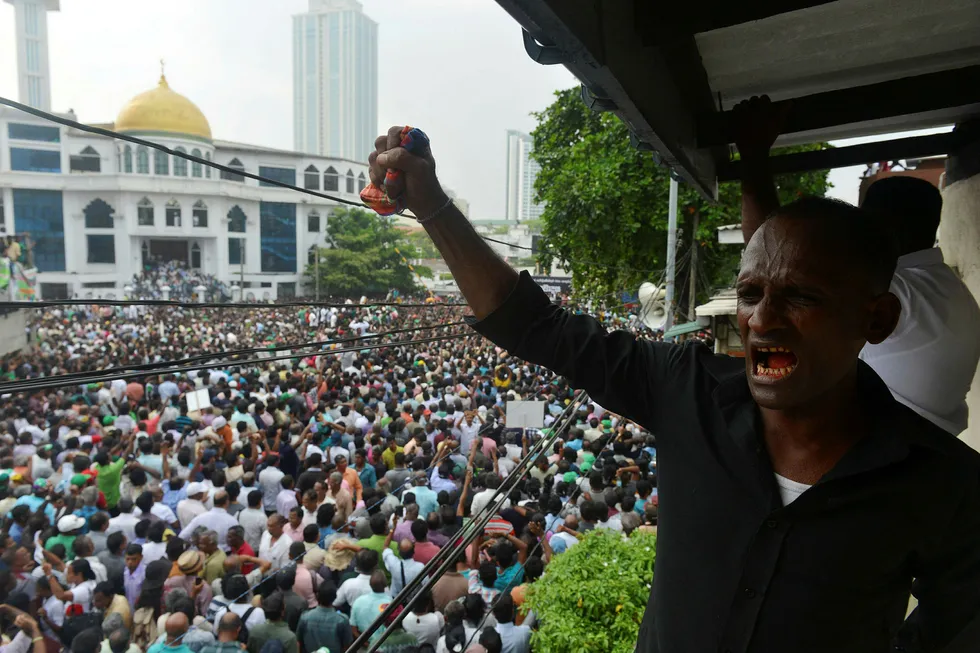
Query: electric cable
[
  {"x": 476, "y": 526},
  {"x": 53, "y": 382},
  {"x": 149, "y": 367},
  {"x": 44, "y": 303}
]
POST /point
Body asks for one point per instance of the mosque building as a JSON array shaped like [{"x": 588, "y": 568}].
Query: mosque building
[{"x": 97, "y": 209}]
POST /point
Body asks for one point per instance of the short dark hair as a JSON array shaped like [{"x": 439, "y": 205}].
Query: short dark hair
[
  {"x": 326, "y": 594},
  {"x": 274, "y": 606},
  {"x": 860, "y": 237},
  {"x": 503, "y": 609},
  {"x": 105, "y": 589},
  {"x": 87, "y": 641},
  {"x": 912, "y": 207}
]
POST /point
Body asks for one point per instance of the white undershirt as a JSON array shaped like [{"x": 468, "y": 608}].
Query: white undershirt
[{"x": 790, "y": 490}]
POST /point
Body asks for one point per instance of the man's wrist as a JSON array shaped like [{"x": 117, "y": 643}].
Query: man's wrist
[{"x": 430, "y": 205}]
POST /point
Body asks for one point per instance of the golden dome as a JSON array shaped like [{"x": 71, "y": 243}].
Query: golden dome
[{"x": 162, "y": 110}]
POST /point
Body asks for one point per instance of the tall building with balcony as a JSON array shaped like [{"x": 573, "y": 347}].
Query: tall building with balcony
[
  {"x": 97, "y": 210},
  {"x": 335, "y": 80},
  {"x": 31, "y": 36},
  {"x": 522, "y": 171}
]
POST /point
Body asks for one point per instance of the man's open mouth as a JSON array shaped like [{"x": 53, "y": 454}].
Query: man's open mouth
[{"x": 773, "y": 362}]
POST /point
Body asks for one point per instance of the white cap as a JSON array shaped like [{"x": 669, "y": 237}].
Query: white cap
[
  {"x": 195, "y": 488},
  {"x": 70, "y": 523}
]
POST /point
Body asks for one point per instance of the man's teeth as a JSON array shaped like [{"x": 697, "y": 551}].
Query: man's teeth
[
  {"x": 778, "y": 372},
  {"x": 775, "y": 349}
]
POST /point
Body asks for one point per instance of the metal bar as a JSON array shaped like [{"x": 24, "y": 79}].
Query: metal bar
[
  {"x": 898, "y": 97},
  {"x": 913, "y": 147}
]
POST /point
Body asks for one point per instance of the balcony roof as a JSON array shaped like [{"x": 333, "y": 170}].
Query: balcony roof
[{"x": 673, "y": 71}]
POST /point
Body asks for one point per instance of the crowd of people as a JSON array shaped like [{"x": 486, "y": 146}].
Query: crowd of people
[
  {"x": 180, "y": 279},
  {"x": 292, "y": 510}
]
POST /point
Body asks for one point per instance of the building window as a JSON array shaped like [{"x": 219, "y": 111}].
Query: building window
[
  {"x": 180, "y": 164},
  {"x": 144, "y": 213},
  {"x": 98, "y": 215},
  {"x": 142, "y": 160},
  {"x": 313, "y": 221},
  {"x": 38, "y": 214},
  {"x": 236, "y": 220},
  {"x": 195, "y": 166},
  {"x": 230, "y": 176},
  {"x": 350, "y": 181},
  {"x": 311, "y": 178},
  {"x": 101, "y": 249},
  {"x": 172, "y": 214},
  {"x": 236, "y": 251},
  {"x": 87, "y": 160},
  {"x": 361, "y": 182},
  {"x": 199, "y": 214},
  {"x": 331, "y": 180},
  {"x": 207, "y": 169},
  {"x": 277, "y": 222},
  {"x": 22, "y": 158},
  {"x": 287, "y": 290},
  {"x": 22, "y": 132},
  {"x": 127, "y": 159},
  {"x": 161, "y": 163},
  {"x": 196, "y": 256},
  {"x": 284, "y": 175}
]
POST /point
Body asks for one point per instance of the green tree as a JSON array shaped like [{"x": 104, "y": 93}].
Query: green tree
[
  {"x": 581, "y": 608},
  {"x": 366, "y": 257},
  {"x": 606, "y": 207}
]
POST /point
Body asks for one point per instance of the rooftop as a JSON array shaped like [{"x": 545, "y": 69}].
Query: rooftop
[{"x": 673, "y": 72}]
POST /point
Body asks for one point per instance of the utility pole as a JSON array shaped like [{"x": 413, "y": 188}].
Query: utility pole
[
  {"x": 671, "y": 251},
  {"x": 692, "y": 292}
]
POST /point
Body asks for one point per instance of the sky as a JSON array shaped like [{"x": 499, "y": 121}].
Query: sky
[{"x": 455, "y": 68}]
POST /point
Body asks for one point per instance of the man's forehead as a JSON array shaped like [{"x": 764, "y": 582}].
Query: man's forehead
[{"x": 792, "y": 247}]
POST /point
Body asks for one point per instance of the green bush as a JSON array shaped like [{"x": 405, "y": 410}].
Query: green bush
[{"x": 592, "y": 597}]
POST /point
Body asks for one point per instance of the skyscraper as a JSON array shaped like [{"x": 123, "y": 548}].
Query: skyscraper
[
  {"x": 33, "y": 71},
  {"x": 335, "y": 80},
  {"x": 522, "y": 170}
]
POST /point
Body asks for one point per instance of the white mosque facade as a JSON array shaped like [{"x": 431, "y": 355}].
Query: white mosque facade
[{"x": 97, "y": 209}]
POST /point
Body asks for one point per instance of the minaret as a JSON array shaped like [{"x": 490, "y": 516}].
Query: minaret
[{"x": 33, "y": 71}]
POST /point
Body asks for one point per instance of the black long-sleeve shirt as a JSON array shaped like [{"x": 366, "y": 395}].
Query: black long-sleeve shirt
[{"x": 736, "y": 570}]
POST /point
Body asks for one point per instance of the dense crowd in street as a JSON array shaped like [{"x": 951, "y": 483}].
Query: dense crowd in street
[
  {"x": 180, "y": 279},
  {"x": 290, "y": 512}
]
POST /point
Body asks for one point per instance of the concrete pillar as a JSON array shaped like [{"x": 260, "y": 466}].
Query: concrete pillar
[
  {"x": 200, "y": 291},
  {"x": 959, "y": 238},
  {"x": 165, "y": 291},
  {"x": 236, "y": 293}
]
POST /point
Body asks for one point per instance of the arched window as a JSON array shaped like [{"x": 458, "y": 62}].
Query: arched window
[
  {"x": 331, "y": 180},
  {"x": 142, "y": 160},
  {"x": 207, "y": 169},
  {"x": 361, "y": 182},
  {"x": 199, "y": 214},
  {"x": 127, "y": 159},
  {"x": 98, "y": 215},
  {"x": 172, "y": 214},
  {"x": 196, "y": 256},
  {"x": 350, "y": 181},
  {"x": 161, "y": 163},
  {"x": 311, "y": 178},
  {"x": 313, "y": 221},
  {"x": 144, "y": 213},
  {"x": 195, "y": 166},
  {"x": 180, "y": 165},
  {"x": 236, "y": 220},
  {"x": 230, "y": 176}
]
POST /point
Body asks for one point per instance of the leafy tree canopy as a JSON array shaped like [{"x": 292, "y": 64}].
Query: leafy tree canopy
[
  {"x": 582, "y": 607},
  {"x": 606, "y": 206},
  {"x": 363, "y": 259}
]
